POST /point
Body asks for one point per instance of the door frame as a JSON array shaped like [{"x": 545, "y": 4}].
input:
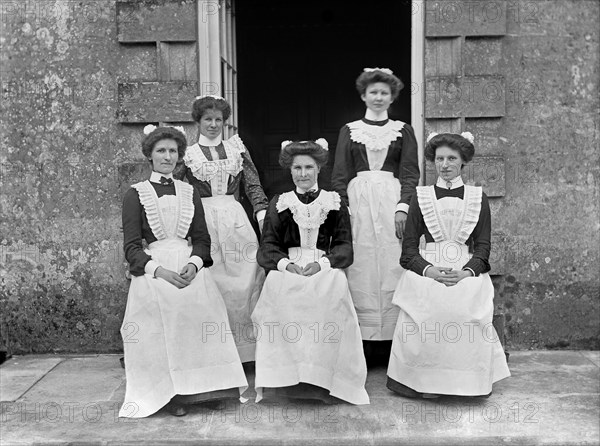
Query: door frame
[
  {"x": 210, "y": 17},
  {"x": 417, "y": 75}
]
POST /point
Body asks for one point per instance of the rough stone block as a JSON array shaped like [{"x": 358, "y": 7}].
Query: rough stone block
[
  {"x": 482, "y": 55},
  {"x": 152, "y": 21},
  {"x": 464, "y": 96},
  {"x": 156, "y": 101},
  {"x": 465, "y": 18}
]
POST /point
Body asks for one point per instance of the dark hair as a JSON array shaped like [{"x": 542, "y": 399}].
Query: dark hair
[
  {"x": 161, "y": 133},
  {"x": 310, "y": 148},
  {"x": 367, "y": 78},
  {"x": 201, "y": 105},
  {"x": 452, "y": 140}
]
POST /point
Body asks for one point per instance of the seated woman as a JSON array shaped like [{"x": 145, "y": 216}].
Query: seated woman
[
  {"x": 444, "y": 342},
  {"x": 308, "y": 339},
  {"x": 175, "y": 316}
]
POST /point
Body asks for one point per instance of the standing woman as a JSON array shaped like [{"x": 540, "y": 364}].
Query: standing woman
[
  {"x": 172, "y": 296},
  {"x": 309, "y": 344},
  {"x": 376, "y": 171},
  {"x": 445, "y": 343},
  {"x": 217, "y": 169}
]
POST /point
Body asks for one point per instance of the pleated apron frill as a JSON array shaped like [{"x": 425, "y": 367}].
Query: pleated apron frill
[
  {"x": 175, "y": 340},
  {"x": 372, "y": 278},
  {"x": 235, "y": 270},
  {"x": 307, "y": 332}
]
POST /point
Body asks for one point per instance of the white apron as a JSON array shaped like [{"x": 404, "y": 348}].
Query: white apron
[
  {"x": 233, "y": 241},
  {"x": 307, "y": 329},
  {"x": 444, "y": 342},
  {"x": 174, "y": 339},
  {"x": 372, "y": 278}
]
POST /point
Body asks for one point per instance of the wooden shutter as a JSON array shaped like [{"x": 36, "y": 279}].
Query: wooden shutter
[{"x": 465, "y": 90}]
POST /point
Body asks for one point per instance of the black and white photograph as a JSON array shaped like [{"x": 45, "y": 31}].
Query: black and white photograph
[{"x": 277, "y": 222}]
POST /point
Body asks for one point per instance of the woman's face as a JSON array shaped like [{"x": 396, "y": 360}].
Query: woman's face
[
  {"x": 211, "y": 123},
  {"x": 448, "y": 163},
  {"x": 164, "y": 156},
  {"x": 377, "y": 97},
  {"x": 305, "y": 172}
]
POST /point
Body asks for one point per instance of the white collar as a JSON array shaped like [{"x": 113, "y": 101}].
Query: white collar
[
  {"x": 312, "y": 189},
  {"x": 204, "y": 141},
  {"x": 155, "y": 176},
  {"x": 373, "y": 116},
  {"x": 454, "y": 184}
]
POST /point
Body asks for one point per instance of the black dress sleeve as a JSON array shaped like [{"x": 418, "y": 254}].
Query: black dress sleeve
[
  {"x": 252, "y": 186},
  {"x": 132, "y": 233},
  {"x": 341, "y": 253},
  {"x": 409, "y": 172},
  {"x": 199, "y": 233},
  {"x": 271, "y": 249},
  {"x": 415, "y": 227},
  {"x": 482, "y": 240},
  {"x": 343, "y": 167}
]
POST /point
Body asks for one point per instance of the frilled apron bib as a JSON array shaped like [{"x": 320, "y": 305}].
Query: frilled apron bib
[
  {"x": 233, "y": 241},
  {"x": 444, "y": 341},
  {"x": 307, "y": 329},
  {"x": 174, "y": 339}
]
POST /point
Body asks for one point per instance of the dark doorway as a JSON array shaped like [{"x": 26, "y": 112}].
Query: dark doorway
[{"x": 297, "y": 63}]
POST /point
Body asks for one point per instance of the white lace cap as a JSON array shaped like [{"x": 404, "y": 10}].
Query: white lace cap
[{"x": 383, "y": 70}]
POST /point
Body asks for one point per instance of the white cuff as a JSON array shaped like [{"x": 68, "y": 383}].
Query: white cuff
[
  {"x": 151, "y": 267},
  {"x": 282, "y": 264},
  {"x": 469, "y": 269},
  {"x": 197, "y": 262},
  {"x": 403, "y": 207},
  {"x": 324, "y": 263},
  {"x": 260, "y": 215},
  {"x": 425, "y": 269}
]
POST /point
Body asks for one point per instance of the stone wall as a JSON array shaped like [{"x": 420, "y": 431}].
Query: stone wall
[
  {"x": 549, "y": 137},
  {"x": 66, "y": 161}
]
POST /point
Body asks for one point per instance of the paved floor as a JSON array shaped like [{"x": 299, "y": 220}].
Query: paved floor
[{"x": 552, "y": 398}]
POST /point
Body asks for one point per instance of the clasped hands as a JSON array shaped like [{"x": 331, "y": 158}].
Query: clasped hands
[
  {"x": 181, "y": 280},
  {"x": 309, "y": 270},
  {"x": 447, "y": 276}
]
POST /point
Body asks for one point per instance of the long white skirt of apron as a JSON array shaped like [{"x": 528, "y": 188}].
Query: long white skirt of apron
[
  {"x": 235, "y": 270},
  {"x": 444, "y": 340},
  {"x": 307, "y": 331},
  {"x": 175, "y": 340},
  {"x": 372, "y": 278}
]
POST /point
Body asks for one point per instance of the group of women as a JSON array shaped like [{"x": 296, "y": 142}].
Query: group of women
[{"x": 345, "y": 272}]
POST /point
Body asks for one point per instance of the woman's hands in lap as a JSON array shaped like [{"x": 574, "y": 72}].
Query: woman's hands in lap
[
  {"x": 179, "y": 280},
  {"x": 447, "y": 276},
  {"x": 309, "y": 270}
]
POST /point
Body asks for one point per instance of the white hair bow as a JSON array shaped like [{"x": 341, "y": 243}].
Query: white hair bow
[
  {"x": 468, "y": 136},
  {"x": 149, "y": 129},
  {"x": 323, "y": 143},
  {"x": 431, "y": 135},
  {"x": 285, "y": 143}
]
